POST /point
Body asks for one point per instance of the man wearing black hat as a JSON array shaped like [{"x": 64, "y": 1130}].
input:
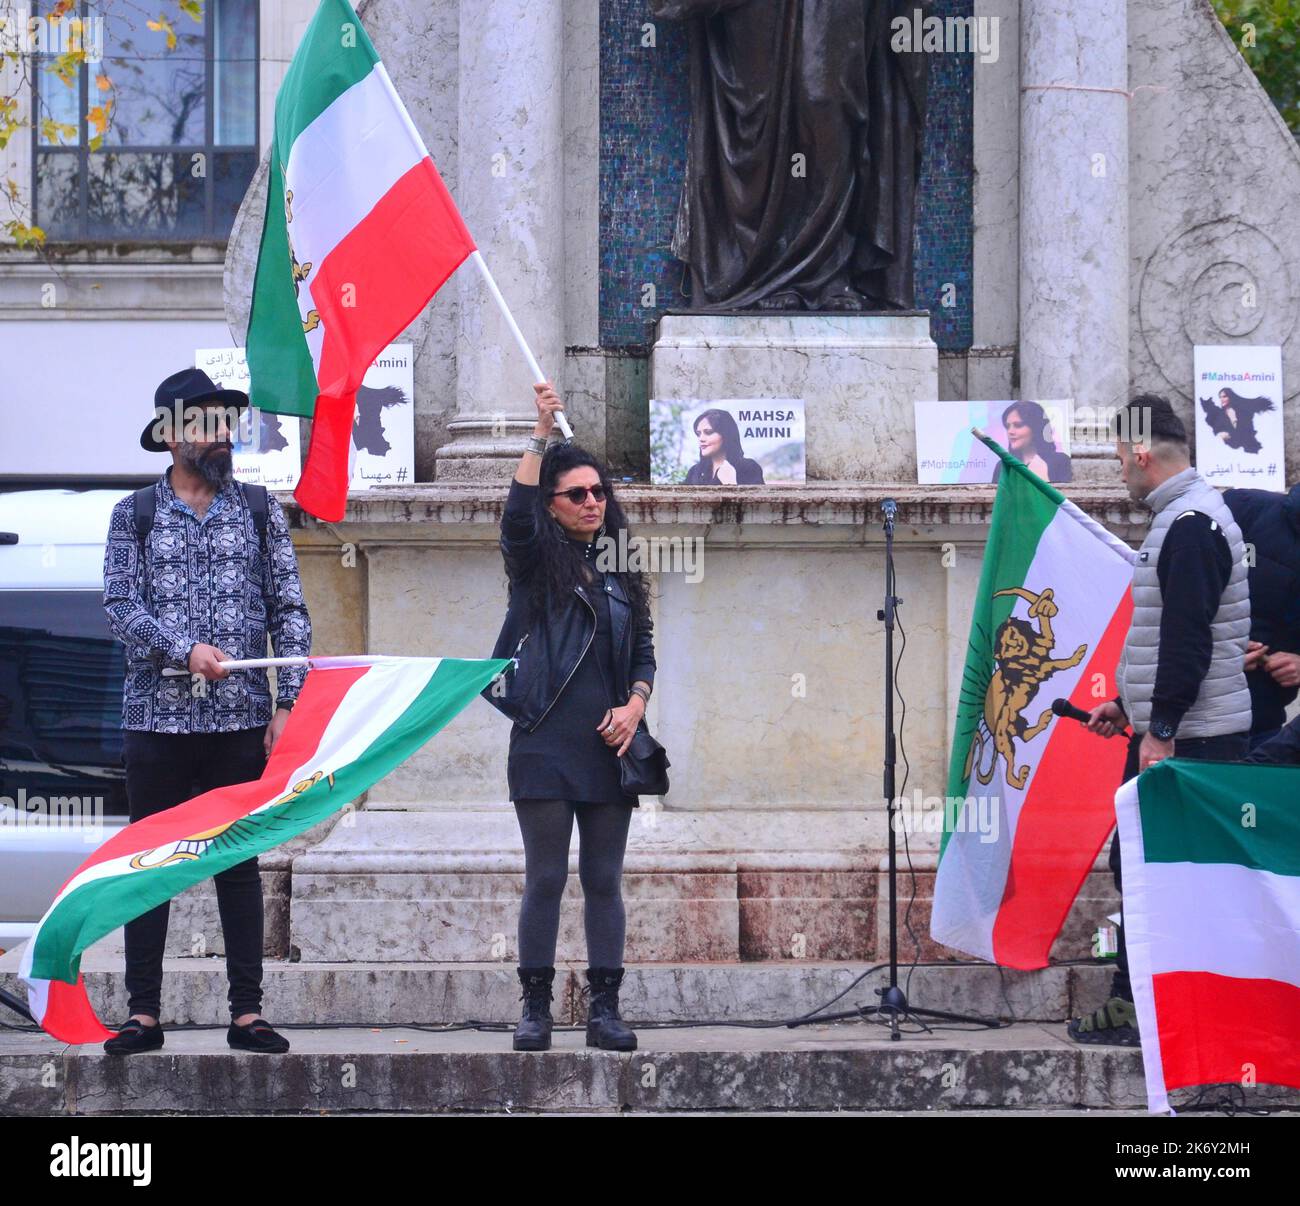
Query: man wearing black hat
[{"x": 198, "y": 570}]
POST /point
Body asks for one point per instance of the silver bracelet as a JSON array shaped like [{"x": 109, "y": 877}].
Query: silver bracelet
[
  {"x": 641, "y": 691},
  {"x": 536, "y": 445}
]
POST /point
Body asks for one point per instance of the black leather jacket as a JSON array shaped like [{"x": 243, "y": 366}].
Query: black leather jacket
[{"x": 547, "y": 648}]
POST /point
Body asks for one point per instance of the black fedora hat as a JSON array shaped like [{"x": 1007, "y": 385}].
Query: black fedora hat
[{"x": 189, "y": 387}]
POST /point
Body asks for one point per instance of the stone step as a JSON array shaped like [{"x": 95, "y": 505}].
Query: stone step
[
  {"x": 853, "y": 1066},
  {"x": 404, "y": 894},
  {"x": 194, "y": 990}
]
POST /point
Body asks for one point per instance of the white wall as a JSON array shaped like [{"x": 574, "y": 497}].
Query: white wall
[{"x": 75, "y": 395}]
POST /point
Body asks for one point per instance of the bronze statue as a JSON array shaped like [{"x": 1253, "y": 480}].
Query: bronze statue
[{"x": 805, "y": 148}]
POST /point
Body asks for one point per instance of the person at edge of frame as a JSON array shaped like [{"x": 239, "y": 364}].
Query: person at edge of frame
[{"x": 1270, "y": 527}]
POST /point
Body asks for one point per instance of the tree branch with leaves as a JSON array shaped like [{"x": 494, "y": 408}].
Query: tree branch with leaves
[{"x": 26, "y": 45}]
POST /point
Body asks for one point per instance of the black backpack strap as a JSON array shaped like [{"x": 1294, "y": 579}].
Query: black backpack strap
[
  {"x": 255, "y": 497},
  {"x": 146, "y": 500},
  {"x": 146, "y": 503}
]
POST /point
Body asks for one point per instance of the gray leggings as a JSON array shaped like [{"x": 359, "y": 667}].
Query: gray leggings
[{"x": 547, "y": 826}]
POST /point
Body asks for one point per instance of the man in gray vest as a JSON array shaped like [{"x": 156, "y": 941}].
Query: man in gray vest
[{"x": 1181, "y": 677}]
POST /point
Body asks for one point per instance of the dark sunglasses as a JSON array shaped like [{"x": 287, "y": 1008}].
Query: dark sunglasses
[{"x": 577, "y": 495}]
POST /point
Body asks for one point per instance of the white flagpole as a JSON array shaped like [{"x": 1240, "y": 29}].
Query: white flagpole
[
  {"x": 321, "y": 663},
  {"x": 536, "y": 368}
]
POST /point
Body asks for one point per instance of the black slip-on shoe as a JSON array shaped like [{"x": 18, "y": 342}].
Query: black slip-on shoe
[
  {"x": 134, "y": 1036},
  {"x": 257, "y": 1036}
]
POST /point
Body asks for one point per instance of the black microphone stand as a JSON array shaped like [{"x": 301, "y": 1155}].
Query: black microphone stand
[{"x": 893, "y": 1000}]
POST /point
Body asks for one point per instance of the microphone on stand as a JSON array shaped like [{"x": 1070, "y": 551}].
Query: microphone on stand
[{"x": 1063, "y": 707}]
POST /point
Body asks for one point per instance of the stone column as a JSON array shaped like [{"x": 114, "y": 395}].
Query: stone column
[
  {"x": 990, "y": 363},
  {"x": 1074, "y": 271},
  {"x": 511, "y": 192}
]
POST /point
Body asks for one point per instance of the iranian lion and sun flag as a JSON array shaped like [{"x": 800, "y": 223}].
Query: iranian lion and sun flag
[
  {"x": 359, "y": 233},
  {"x": 1211, "y": 851},
  {"x": 356, "y": 719}
]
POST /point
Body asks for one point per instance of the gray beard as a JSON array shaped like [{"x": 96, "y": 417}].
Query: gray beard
[{"x": 215, "y": 469}]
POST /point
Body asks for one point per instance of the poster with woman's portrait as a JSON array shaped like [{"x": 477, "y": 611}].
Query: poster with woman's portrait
[
  {"x": 726, "y": 442},
  {"x": 1238, "y": 402},
  {"x": 1037, "y": 433}
]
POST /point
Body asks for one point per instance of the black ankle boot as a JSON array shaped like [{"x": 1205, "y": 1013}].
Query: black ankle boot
[
  {"x": 605, "y": 1029},
  {"x": 534, "y": 1030}
]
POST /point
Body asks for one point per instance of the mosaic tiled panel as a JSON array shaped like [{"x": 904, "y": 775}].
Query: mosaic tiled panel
[{"x": 644, "y": 117}]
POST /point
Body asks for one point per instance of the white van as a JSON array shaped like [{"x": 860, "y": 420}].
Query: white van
[{"x": 62, "y": 784}]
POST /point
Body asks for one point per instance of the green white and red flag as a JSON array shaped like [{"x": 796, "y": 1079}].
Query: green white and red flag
[
  {"x": 1030, "y": 795},
  {"x": 1211, "y": 855},
  {"x": 356, "y": 719},
  {"x": 360, "y": 232}
]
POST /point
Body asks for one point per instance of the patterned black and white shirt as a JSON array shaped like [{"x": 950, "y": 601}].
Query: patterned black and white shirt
[{"x": 203, "y": 581}]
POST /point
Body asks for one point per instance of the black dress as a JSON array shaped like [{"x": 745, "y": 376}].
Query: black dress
[{"x": 565, "y": 757}]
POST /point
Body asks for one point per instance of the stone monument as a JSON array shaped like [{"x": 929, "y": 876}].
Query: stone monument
[{"x": 796, "y": 221}]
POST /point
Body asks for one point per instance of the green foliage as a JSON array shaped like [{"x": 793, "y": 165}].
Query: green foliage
[
  {"x": 1267, "y": 33},
  {"x": 666, "y": 436}
]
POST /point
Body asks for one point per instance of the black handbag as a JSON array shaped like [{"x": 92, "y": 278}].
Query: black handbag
[{"x": 643, "y": 768}]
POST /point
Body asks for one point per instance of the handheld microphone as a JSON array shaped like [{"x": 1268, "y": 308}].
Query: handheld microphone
[{"x": 1063, "y": 707}]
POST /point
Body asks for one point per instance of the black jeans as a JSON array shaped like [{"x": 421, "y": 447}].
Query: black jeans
[
  {"x": 1230, "y": 747},
  {"x": 166, "y": 769}
]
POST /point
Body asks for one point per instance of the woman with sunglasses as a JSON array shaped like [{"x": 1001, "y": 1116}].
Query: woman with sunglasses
[{"x": 583, "y": 651}]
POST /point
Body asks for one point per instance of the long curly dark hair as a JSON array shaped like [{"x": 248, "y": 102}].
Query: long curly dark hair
[{"x": 560, "y": 565}]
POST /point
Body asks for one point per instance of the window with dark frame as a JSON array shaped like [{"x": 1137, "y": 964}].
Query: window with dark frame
[{"x": 180, "y": 147}]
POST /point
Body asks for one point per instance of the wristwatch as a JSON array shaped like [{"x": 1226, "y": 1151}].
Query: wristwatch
[
  {"x": 285, "y": 705},
  {"x": 1162, "y": 730}
]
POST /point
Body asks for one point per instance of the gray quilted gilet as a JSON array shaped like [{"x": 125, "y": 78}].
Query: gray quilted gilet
[{"x": 1223, "y": 704}]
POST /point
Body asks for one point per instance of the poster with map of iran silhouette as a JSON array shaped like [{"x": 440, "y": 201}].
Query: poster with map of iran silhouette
[
  {"x": 268, "y": 451},
  {"x": 1237, "y": 400}
]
